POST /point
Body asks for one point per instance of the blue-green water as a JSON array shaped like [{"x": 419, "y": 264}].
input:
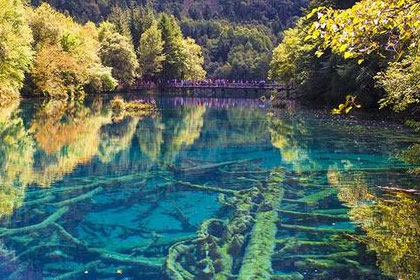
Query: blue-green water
[{"x": 85, "y": 194}]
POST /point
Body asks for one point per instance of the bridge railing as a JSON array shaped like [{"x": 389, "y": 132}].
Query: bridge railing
[{"x": 219, "y": 84}]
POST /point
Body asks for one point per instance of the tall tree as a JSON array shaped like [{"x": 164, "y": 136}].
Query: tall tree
[
  {"x": 173, "y": 48},
  {"x": 194, "y": 61},
  {"x": 132, "y": 21},
  {"x": 15, "y": 48},
  {"x": 116, "y": 51},
  {"x": 67, "y": 54},
  {"x": 120, "y": 17},
  {"x": 150, "y": 52},
  {"x": 141, "y": 18}
]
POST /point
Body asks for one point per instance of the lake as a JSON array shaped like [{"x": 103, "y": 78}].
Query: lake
[{"x": 204, "y": 189}]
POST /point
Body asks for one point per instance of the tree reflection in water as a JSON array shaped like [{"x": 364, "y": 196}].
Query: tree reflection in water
[
  {"x": 387, "y": 216},
  {"x": 162, "y": 137},
  {"x": 390, "y": 220},
  {"x": 62, "y": 136},
  {"x": 16, "y": 158},
  {"x": 130, "y": 192}
]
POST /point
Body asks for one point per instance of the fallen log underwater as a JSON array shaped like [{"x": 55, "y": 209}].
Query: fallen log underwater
[
  {"x": 250, "y": 244},
  {"x": 268, "y": 233},
  {"x": 251, "y": 229}
]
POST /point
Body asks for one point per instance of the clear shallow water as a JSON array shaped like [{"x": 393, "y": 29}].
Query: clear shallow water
[{"x": 204, "y": 189}]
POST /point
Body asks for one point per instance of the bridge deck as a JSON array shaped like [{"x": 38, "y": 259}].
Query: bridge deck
[{"x": 244, "y": 86}]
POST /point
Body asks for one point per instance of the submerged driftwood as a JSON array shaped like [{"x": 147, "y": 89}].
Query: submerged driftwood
[
  {"x": 257, "y": 260},
  {"x": 275, "y": 226},
  {"x": 219, "y": 249},
  {"x": 247, "y": 245}
]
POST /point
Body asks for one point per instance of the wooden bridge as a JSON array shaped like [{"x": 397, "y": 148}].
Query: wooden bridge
[{"x": 188, "y": 85}]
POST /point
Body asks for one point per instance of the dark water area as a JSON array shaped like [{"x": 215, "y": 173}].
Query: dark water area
[{"x": 204, "y": 189}]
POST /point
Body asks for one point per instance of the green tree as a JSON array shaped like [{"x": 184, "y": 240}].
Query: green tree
[
  {"x": 401, "y": 84},
  {"x": 132, "y": 21},
  {"x": 374, "y": 32},
  {"x": 173, "y": 48},
  {"x": 66, "y": 61},
  {"x": 116, "y": 51},
  {"x": 287, "y": 56},
  {"x": 324, "y": 64},
  {"x": 194, "y": 61},
  {"x": 245, "y": 49},
  {"x": 150, "y": 52},
  {"x": 141, "y": 18},
  {"x": 120, "y": 18},
  {"x": 15, "y": 48}
]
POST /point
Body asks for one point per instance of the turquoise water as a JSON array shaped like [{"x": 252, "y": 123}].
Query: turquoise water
[{"x": 203, "y": 189}]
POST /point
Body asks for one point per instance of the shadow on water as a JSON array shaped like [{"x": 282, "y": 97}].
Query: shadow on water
[{"x": 203, "y": 189}]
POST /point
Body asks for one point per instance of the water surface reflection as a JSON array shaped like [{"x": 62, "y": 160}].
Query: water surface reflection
[{"x": 202, "y": 189}]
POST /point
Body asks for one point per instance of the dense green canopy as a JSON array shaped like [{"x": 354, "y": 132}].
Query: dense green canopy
[
  {"x": 15, "y": 48},
  {"x": 369, "y": 49},
  {"x": 51, "y": 54}
]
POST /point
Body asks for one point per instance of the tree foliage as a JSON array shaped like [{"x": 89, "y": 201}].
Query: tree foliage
[
  {"x": 49, "y": 54},
  {"x": 371, "y": 27},
  {"x": 276, "y": 14},
  {"x": 183, "y": 57},
  {"x": 288, "y": 55},
  {"x": 215, "y": 25},
  {"x": 66, "y": 54},
  {"x": 150, "y": 52},
  {"x": 173, "y": 48},
  {"x": 15, "y": 48},
  {"x": 133, "y": 21},
  {"x": 117, "y": 52},
  {"x": 194, "y": 61},
  {"x": 373, "y": 43},
  {"x": 386, "y": 31},
  {"x": 232, "y": 51},
  {"x": 401, "y": 84}
]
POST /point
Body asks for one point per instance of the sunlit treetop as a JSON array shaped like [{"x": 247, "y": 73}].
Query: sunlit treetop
[
  {"x": 382, "y": 27},
  {"x": 15, "y": 48}
]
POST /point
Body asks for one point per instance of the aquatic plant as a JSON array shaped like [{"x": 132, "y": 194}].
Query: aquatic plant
[
  {"x": 122, "y": 108},
  {"x": 257, "y": 259}
]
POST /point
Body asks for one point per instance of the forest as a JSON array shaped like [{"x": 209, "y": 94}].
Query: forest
[
  {"x": 336, "y": 50},
  {"x": 99, "y": 46},
  {"x": 369, "y": 51},
  {"x": 47, "y": 53},
  {"x": 237, "y": 37},
  {"x": 180, "y": 183}
]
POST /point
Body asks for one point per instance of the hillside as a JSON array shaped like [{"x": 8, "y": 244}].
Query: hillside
[
  {"x": 237, "y": 36},
  {"x": 277, "y": 13}
]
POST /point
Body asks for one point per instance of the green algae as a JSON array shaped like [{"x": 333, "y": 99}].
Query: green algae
[
  {"x": 248, "y": 235},
  {"x": 291, "y": 276},
  {"x": 257, "y": 260},
  {"x": 318, "y": 196}
]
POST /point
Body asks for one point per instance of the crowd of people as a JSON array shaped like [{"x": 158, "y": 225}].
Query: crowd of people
[{"x": 208, "y": 83}]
